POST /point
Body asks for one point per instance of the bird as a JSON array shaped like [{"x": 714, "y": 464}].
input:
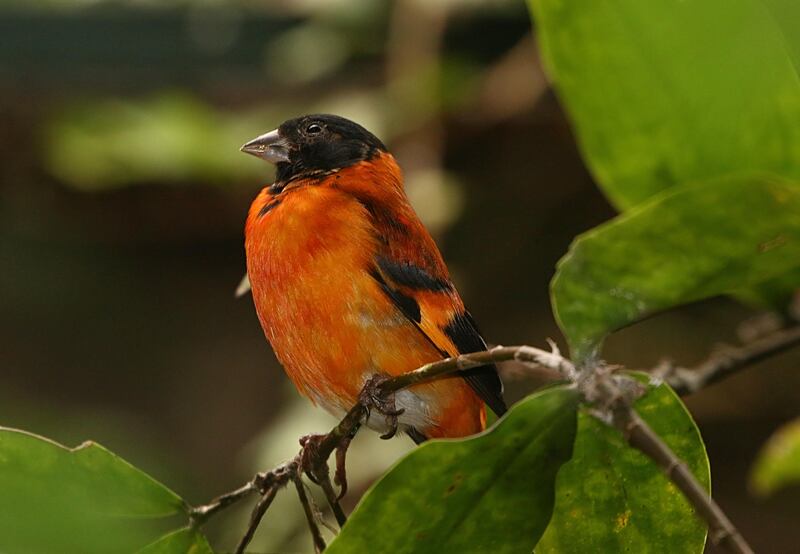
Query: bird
[{"x": 350, "y": 287}]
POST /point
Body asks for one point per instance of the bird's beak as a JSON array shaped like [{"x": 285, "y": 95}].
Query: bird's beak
[{"x": 270, "y": 146}]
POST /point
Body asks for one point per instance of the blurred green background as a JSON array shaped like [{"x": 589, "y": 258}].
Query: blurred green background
[{"x": 123, "y": 196}]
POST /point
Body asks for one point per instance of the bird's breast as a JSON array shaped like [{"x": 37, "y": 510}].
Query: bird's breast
[{"x": 309, "y": 261}]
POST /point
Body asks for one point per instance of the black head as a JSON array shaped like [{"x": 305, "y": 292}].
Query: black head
[{"x": 314, "y": 144}]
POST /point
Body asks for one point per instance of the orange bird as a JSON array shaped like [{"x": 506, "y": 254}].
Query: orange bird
[{"x": 349, "y": 285}]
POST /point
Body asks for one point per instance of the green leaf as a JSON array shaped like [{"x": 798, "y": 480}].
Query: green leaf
[
  {"x": 785, "y": 15},
  {"x": 778, "y": 463},
  {"x": 169, "y": 137},
  {"x": 182, "y": 541},
  {"x": 667, "y": 92},
  {"x": 776, "y": 293},
  {"x": 490, "y": 493},
  {"x": 684, "y": 245},
  {"x": 611, "y": 498},
  {"x": 82, "y": 500}
]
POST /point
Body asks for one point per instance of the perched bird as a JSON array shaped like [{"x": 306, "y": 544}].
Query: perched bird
[{"x": 348, "y": 284}]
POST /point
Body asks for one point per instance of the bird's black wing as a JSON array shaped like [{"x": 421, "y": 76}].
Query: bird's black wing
[
  {"x": 399, "y": 281},
  {"x": 484, "y": 379}
]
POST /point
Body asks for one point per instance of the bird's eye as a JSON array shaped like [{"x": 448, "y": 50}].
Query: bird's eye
[{"x": 314, "y": 129}]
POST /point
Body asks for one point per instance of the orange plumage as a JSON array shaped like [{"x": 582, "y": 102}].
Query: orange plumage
[{"x": 348, "y": 283}]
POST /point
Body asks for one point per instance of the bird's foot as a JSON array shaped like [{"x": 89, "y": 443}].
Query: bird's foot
[
  {"x": 316, "y": 470},
  {"x": 309, "y": 462},
  {"x": 372, "y": 397}
]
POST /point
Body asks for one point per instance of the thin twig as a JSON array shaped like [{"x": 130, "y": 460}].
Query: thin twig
[
  {"x": 255, "y": 518},
  {"x": 525, "y": 354},
  {"x": 268, "y": 483},
  {"x": 311, "y": 518},
  {"x": 729, "y": 360},
  {"x": 333, "y": 500},
  {"x": 347, "y": 427},
  {"x": 436, "y": 370},
  {"x": 199, "y": 514}
]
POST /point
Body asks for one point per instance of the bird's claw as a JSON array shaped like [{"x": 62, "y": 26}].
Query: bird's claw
[
  {"x": 340, "y": 477},
  {"x": 373, "y": 398},
  {"x": 309, "y": 459},
  {"x": 309, "y": 462}
]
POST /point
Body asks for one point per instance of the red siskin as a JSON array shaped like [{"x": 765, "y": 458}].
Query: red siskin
[{"x": 348, "y": 284}]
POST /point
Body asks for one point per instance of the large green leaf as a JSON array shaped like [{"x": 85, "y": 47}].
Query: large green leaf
[
  {"x": 778, "y": 463},
  {"x": 182, "y": 541},
  {"x": 665, "y": 92},
  {"x": 491, "y": 493},
  {"x": 774, "y": 294},
  {"x": 611, "y": 498},
  {"x": 81, "y": 500},
  {"x": 684, "y": 245},
  {"x": 786, "y": 16}
]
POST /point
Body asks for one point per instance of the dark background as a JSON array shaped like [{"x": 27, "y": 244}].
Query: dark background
[{"x": 123, "y": 197}]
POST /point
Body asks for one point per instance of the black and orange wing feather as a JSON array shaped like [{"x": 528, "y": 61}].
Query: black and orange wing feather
[{"x": 413, "y": 275}]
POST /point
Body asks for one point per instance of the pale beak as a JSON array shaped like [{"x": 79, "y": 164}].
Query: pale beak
[{"x": 270, "y": 146}]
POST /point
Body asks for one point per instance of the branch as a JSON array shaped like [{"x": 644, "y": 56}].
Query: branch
[
  {"x": 255, "y": 519},
  {"x": 333, "y": 501},
  {"x": 200, "y": 514},
  {"x": 614, "y": 394},
  {"x": 526, "y": 354},
  {"x": 436, "y": 370},
  {"x": 311, "y": 516},
  {"x": 318, "y": 452},
  {"x": 618, "y": 394},
  {"x": 729, "y": 360},
  {"x": 268, "y": 484}
]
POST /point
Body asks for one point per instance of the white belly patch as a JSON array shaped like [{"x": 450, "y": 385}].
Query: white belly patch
[{"x": 417, "y": 412}]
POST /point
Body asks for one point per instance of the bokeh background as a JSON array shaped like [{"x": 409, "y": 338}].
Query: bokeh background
[{"x": 123, "y": 196}]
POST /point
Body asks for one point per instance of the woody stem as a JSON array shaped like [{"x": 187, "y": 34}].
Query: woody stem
[{"x": 605, "y": 392}]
